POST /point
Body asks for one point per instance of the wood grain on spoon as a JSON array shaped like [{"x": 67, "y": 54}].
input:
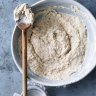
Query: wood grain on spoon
[{"x": 23, "y": 27}]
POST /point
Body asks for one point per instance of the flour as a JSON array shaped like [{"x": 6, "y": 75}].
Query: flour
[{"x": 56, "y": 45}]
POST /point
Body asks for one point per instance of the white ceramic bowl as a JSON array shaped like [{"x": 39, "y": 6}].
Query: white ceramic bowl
[{"x": 89, "y": 61}]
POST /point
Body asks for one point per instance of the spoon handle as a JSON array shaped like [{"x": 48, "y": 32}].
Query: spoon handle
[{"x": 24, "y": 63}]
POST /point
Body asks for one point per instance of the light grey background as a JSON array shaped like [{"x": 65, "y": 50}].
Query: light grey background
[{"x": 10, "y": 77}]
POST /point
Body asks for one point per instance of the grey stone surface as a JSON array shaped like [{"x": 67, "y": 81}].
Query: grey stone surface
[{"x": 10, "y": 77}]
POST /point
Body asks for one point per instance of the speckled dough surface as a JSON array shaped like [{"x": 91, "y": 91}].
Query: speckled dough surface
[
  {"x": 56, "y": 45},
  {"x": 23, "y": 14}
]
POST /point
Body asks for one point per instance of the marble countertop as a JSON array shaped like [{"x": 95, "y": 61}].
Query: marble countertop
[{"x": 10, "y": 77}]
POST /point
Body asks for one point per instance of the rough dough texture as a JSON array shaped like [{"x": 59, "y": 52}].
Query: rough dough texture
[
  {"x": 56, "y": 45},
  {"x": 24, "y": 14}
]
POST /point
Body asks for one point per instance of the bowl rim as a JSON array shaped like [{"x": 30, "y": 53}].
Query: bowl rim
[{"x": 53, "y": 84}]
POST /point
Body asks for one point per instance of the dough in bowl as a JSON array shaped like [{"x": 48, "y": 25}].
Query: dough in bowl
[{"x": 56, "y": 45}]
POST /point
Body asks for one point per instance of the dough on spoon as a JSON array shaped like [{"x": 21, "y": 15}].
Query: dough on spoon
[{"x": 23, "y": 14}]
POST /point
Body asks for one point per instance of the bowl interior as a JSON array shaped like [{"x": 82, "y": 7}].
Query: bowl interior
[{"x": 89, "y": 60}]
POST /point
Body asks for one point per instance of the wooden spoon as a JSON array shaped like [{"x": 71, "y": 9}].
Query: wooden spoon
[
  {"x": 24, "y": 17},
  {"x": 23, "y": 27}
]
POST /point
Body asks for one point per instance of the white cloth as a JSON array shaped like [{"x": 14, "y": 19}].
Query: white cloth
[{"x": 15, "y": 94}]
